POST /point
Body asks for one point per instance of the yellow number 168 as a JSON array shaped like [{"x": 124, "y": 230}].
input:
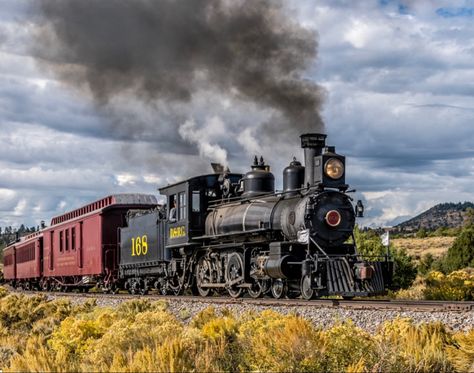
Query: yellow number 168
[{"x": 139, "y": 245}]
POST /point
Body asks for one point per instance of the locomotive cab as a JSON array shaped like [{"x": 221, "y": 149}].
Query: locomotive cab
[{"x": 191, "y": 199}]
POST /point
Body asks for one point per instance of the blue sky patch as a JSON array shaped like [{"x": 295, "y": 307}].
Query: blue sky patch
[{"x": 455, "y": 12}]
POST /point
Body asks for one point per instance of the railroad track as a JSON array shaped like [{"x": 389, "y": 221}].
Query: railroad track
[{"x": 362, "y": 304}]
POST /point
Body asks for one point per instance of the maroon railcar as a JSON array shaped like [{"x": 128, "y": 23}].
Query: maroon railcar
[
  {"x": 78, "y": 250},
  {"x": 9, "y": 263},
  {"x": 22, "y": 261},
  {"x": 80, "y": 247}
]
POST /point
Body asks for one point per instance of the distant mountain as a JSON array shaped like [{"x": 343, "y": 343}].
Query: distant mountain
[{"x": 449, "y": 215}]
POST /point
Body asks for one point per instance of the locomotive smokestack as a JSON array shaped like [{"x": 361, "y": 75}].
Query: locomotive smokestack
[{"x": 313, "y": 144}]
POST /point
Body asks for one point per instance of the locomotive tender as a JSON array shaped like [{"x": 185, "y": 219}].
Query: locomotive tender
[{"x": 233, "y": 233}]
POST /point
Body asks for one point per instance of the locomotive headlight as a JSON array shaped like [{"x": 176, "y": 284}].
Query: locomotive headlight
[{"x": 334, "y": 168}]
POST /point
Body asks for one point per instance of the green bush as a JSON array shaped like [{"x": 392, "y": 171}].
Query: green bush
[
  {"x": 405, "y": 270},
  {"x": 461, "y": 254},
  {"x": 421, "y": 233},
  {"x": 426, "y": 263}
]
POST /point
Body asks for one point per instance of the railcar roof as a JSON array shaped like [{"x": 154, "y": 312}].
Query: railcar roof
[
  {"x": 195, "y": 178},
  {"x": 25, "y": 239},
  {"x": 132, "y": 199}
]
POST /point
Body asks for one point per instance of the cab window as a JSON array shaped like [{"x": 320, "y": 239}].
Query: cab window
[
  {"x": 182, "y": 206},
  {"x": 196, "y": 201},
  {"x": 172, "y": 210}
]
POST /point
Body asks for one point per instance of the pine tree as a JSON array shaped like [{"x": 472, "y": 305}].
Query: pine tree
[{"x": 461, "y": 253}]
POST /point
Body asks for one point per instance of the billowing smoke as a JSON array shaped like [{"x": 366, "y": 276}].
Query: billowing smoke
[
  {"x": 202, "y": 137},
  {"x": 168, "y": 50}
]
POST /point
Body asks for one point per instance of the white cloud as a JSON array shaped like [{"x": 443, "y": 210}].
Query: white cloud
[
  {"x": 21, "y": 207},
  {"x": 126, "y": 180},
  {"x": 399, "y": 106}
]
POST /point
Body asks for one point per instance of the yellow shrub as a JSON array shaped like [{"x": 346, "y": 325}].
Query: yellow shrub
[
  {"x": 461, "y": 353},
  {"x": 147, "y": 329},
  {"x": 405, "y": 346},
  {"x": 458, "y": 285},
  {"x": 416, "y": 291},
  {"x": 19, "y": 312},
  {"x": 75, "y": 336},
  {"x": 131, "y": 308},
  {"x": 346, "y": 345},
  {"x": 9, "y": 346},
  {"x": 203, "y": 317},
  {"x": 142, "y": 336},
  {"x": 220, "y": 328},
  {"x": 3, "y": 292},
  {"x": 274, "y": 342},
  {"x": 174, "y": 356},
  {"x": 38, "y": 358},
  {"x": 180, "y": 353}
]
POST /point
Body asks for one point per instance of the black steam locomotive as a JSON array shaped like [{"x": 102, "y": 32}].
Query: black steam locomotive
[{"x": 233, "y": 233}]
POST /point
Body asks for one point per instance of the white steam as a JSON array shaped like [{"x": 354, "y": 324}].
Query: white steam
[{"x": 203, "y": 138}]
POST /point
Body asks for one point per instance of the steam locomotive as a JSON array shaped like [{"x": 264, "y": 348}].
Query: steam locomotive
[{"x": 218, "y": 233}]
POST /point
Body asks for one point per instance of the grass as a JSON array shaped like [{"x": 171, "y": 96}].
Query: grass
[{"x": 417, "y": 247}]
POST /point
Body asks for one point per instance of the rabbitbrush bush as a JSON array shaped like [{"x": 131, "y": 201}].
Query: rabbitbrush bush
[
  {"x": 458, "y": 285},
  {"x": 142, "y": 336}
]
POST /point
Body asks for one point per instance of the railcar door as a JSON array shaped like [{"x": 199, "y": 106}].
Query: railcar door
[
  {"x": 51, "y": 250},
  {"x": 40, "y": 256}
]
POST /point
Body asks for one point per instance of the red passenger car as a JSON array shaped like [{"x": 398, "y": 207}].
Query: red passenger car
[
  {"x": 78, "y": 250},
  {"x": 9, "y": 263},
  {"x": 22, "y": 261}
]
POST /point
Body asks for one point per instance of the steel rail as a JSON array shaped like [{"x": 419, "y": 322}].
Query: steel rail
[{"x": 356, "y": 304}]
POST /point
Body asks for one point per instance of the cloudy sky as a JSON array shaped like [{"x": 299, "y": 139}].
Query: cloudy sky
[{"x": 398, "y": 84}]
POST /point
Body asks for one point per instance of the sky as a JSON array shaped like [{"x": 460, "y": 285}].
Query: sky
[{"x": 398, "y": 84}]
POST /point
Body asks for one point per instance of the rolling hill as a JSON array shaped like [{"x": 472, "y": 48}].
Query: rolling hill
[{"x": 450, "y": 215}]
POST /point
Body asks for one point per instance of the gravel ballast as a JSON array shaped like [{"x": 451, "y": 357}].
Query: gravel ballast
[{"x": 321, "y": 316}]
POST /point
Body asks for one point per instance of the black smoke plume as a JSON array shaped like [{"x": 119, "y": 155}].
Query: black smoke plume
[{"x": 166, "y": 50}]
